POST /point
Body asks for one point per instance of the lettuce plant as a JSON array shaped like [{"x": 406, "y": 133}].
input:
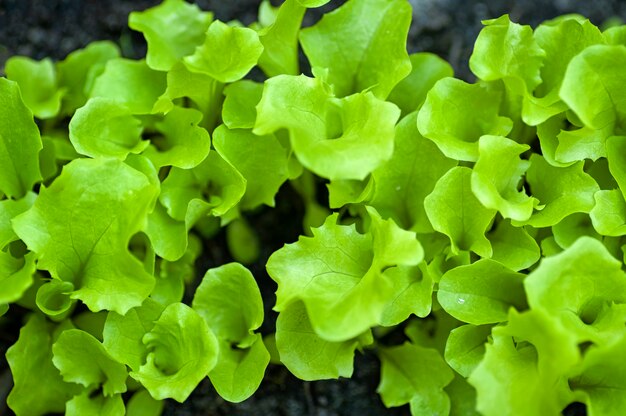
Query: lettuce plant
[{"x": 473, "y": 237}]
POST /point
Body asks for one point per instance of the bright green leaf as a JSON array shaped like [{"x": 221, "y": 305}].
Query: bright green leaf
[
  {"x": 401, "y": 184},
  {"x": 260, "y": 159},
  {"x": 363, "y": 46},
  {"x": 38, "y": 84},
  {"x": 339, "y": 274},
  {"x": 20, "y": 143},
  {"x": 122, "y": 335},
  {"x": 183, "y": 142},
  {"x": 482, "y": 292},
  {"x": 86, "y": 404},
  {"x": 90, "y": 250},
  {"x": 306, "y": 354},
  {"x": 229, "y": 300},
  {"x": 280, "y": 40},
  {"x": 609, "y": 214},
  {"x": 410, "y": 93},
  {"x": 34, "y": 375},
  {"x": 213, "y": 187},
  {"x": 593, "y": 87},
  {"x": 78, "y": 71},
  {"x": 409, "y": 371},
  {"x": 130, "y": 83},
  {"x": 563, "y": 191},
  {"x": 456, "y": 114},
  {"x": 239, "y": 110},
  {"x": 227, "y": 54},
  {"x": 239, "y": 372},
  {"x": 517, "y": 64},
  {"x": 104, "y": 128},
  {"x": 82, "y": 359},
  {"x": 8, "y": 210},
  {"x": 454, "y": 211},
  {"x": 16, "y": 276},
  {"x": 496, "y": 177},
  {"x": 465, "y": 347},
  {"x": 513, "y": 246},
  {"x": 182, "y": 351},
  {"x": 172, "y": 30},
  {"x": 335, "y": 138}
]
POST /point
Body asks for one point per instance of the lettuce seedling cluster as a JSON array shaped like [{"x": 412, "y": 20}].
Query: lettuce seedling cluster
[{"x": 483, "y": 221}]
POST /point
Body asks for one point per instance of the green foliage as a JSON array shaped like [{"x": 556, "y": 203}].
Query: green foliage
[{"x": 473, "y": 237}]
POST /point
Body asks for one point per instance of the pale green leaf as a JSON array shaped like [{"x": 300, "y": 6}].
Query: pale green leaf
[
  {"x": 456, "y": 114},
  {"x": 181, "y": 351},
  {"x": 454, "y": 211},
  {"x": 90, "y": 250},
  {"x": 38, "y": 84},
  {"x": 20, "y": 143},
  {"x": 172, "y": 30},
  {"x": 82, "y": 359},
  {"x": 227, "y": 54},
  {"x": 482, "y": 292},
  {"x": 362, "y": 45}
]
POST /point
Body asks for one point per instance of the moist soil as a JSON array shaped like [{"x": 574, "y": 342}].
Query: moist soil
[{"x": 54, "y": 28}]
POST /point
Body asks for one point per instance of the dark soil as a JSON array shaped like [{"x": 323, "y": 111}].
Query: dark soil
[{"x": 53, "y": 28}]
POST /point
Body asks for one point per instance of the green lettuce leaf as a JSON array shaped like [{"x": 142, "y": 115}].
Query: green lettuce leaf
[
  {"x": 142, "y": 404},
  {"x": 562, "y": 191},
  {"x": 202, "y": 90},
  {"x": 518, "y": 63},
  {"x": 602, "y": 379},
  {"x": 454, "y": 211},
  {"x": 181, "y": 352},
  {"x": 82, "y": 359},
  {"x": 362, "y": 45},
  {"x": 465, "y": 347},
  {"x": 427, "y": 69},
  {"x": 335, "y": 138},
  {"x": 182, "y": 142},
  {"x": 172, "y": 30},
  {"x": 87, "y": 404},
  {"x": 456, "y": 114},
  {"x": 482, "y": 292},
  {"x": 104, "y": 128},
  {"x": 9, "y": 209},
  {"x": 20, "y": 143},
  {"x": 261, "y": 160},
  {"x": 412, "y": 373},
  {"x": 239, "y": 109},
  {"x": 280, "y": 40},
  {"x": 588, "y": 274},
  {"x": 561, "y": 39},
  {"x": 413, "y": 286},
  {"x": 89, "y": 250},
  {"x": 306, "y": 354},
  {"x": 609, "y": 213},
  {"x": 496, "y": 177},
  {"x": 513, "y": 246},
  {"x": 524, "y": 370},
  {"x": 229, "y": 300},
  {"x": 34, "y": 375},
  {"x": 38, "y": 84},
  {"x": 16, "y": 276},
  {"x": 79, "y": 69},
  {"x": 122, "y": 334},
  {"x": 339, "y": 274},
  {"x": 130, "y": 83},
  {"x": 227, "y": 54},
  {"x": 403, "y": 182},
  {"x": 214, "y": 187},
  {"x": 592, "y": 87}
]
